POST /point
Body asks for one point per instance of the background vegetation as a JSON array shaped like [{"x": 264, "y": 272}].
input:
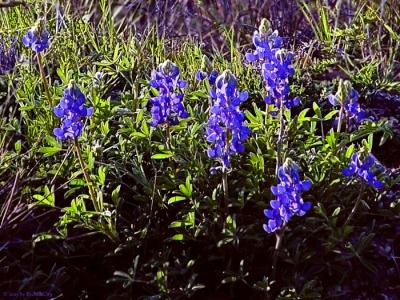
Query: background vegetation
[{"x": 161, "y": 234}]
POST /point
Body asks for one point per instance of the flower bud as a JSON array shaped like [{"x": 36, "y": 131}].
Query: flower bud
[
  {"x": 72, "y": 84},
  {"x": 168, "y": 67},
  {"x": 265, "y": 26},
  {"x": 206, "y": 64},
  {"x": 226, "y": 78},
  {"x": 98, "y": 78}
]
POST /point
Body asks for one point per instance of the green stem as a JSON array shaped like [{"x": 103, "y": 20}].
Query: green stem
[
  {"x": 86, "y": 175},
  {"x": 339, "y": 126},
  {"x": 322, "y": 130},
  {"x": 225, "y": 173},
  {"x": 169, "y": 138},
  {"x": 358, "y": 201},
  {"x": 266, "y": 113},
  {"x": 225, "y": 188},
  {"x": 44, "y": 80},
  {"x": 279, "y": 158},
  {"x": 279, "y": 161},
  {"x": 279, "y": 237}
]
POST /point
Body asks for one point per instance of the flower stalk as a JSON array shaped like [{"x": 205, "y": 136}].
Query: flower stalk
[
  {"x": 356, "y": 205},
  {"x": 279, "y": 156},
  {"x": 44, "y": 79},
  {"x": 278, "y": 244},
  {"x": 84, "y": 168},
  {"x": 225, "y": 188}
]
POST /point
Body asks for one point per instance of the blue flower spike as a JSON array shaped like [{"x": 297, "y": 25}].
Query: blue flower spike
[
  {"x": 207, "y": 71},
  {"x": 37, "y": 38},
  {"x": 72, "y": 111},
  {"x": 347, "y": 98},
  {"x": 167, "y": 106},
  {"x": 275, "y": 64},
  {"x": 288, "y": 201},
  {"x": 8, "y": 56},
  {"x": 364, "y": 169},
  {"x": 226, "y": 131}
]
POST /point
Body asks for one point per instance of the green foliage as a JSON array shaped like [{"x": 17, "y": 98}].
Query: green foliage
[{"x": 160, "y": 232}]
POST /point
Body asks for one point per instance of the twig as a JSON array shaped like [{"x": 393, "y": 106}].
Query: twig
[{"x": 9, "y": 200}]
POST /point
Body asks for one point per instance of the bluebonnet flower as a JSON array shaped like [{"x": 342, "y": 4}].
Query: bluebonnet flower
[
  {"x": 288, "y": 200},
  {"x": 225, "y": 129},
  {"x": 267, "y": 43},
  {"x": 8, "y": 57},
  {"x": 71, "y": 110},
  {"x": 167, "y": 106},
  {"x": 275, "y": 64},
  {"x": 212, "y": 76},
  {"x": 37, "y": 38},
  {"x": 364, "y": 169},
  {"x": 207, "y": 71},
  {"x": 347, "y": 97}
]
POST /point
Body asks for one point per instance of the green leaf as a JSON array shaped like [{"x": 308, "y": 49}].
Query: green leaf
[
  {"x": 370, "y": 142},
  {"x": 331, "y": 140},
  {"x": 317, "y": 110},
  {"x": 177, "y": 237},
  {"x": 190, "y": 218},
  {"x": 52, "y": 141},
  {"x": 49, "y": 151},
  {"x": 90, "y": 160},
  {"x": 229, "y": 279},
  {"x": 115, "y": 195},
  {"x": 302, "y": 116},
  {"x": 350, "y": 151},
  {"x": 77, "y": 182},
  {"x": 27, "y": 107},
  {"x": 253, "y": 119},
  {"x": 176, "y": 199},
  {"x": 47, "y": 199},
  {"x": 164, "y": 155},
  {"x": 184, "y": 190},
  {"x": 45, "y": 236},
  {"x": 116, "y": 53},
  {"x": 178, "y": 224},
  {"x": 386, "y": 135},
  {"x": 139, "y": 135},
  {"x": 145, "y": 129},
  {"x": 194, "y": 130},
  {"x": 17, "y": 146},
  {"x": 330, "y": 115},
  {"x": 392, "y": 33},
  {"x": 336, "y": 212},
  {"x": 139, "y": 116},
  {"x": 102, "y": 175}
]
